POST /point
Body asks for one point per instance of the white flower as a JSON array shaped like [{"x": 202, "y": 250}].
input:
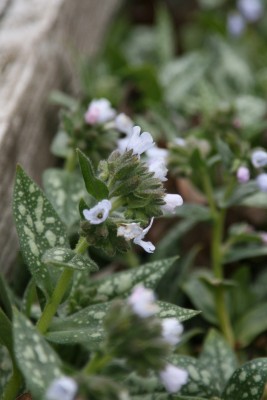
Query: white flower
[
  {"x": 138, "y": 142},
  {"x": 63, "y": 388},
  {"x": 99, "y": 111},
  {"x": 173, "y": 378},
  {"x": 124, "y": 124},
  {"x": 171, "y": 330},
  {"x": 98, "y": 213},
  {"x": 157, "y": 153},
  {"x": 251, "y": 9},
  {"x": 171, "y": 202},
  {"x": 135, "y": 232},
  {"x": 259, "y": 158},
  {"x": 262, "y": 182},
  {"x": 243, "y": 174},
  {"x": 159, "y": 169},
  {"x": 143, "y": 301},
  {"x": 235, "y": 24}
]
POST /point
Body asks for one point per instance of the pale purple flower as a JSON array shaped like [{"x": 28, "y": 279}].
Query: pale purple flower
[
  {"x": 124, "y": 124},
  {"x": 259, "y": 158},
  {"x": 263, "y": 236},
  {"x": 135, "y": 232},
  {"x": 171, "y": 202},
  {"x": 159, "y": 169},
  {"x": 138, "y": 142},
  {"x": 262, "y": 182},
  {"x": 143, "y": 301},
  {"x": 99, "y": 111},
  {"x": 98, "y": 213},
  {"x": 251, "y": 9},
  {"x": 243, "y": 174},
  {"x": 171, "y": 330},
  {"x": 235, "y": 24},
  {"x": 173, "y": 378},
  {"x": 63, "y": 388}
]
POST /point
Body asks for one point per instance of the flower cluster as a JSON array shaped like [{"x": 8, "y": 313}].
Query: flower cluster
[
  {"x": 248, "y": 11},
  {"x": 259, "y": 161}
]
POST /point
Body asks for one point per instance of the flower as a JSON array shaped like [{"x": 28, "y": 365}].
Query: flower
[
  {"x": 98, "y": 213},
  {"x": 138, "y": 143},
  {"x": 135, "y": 232},
  {"x": 251, "y": 9},
  {"x": 157, "y": 153},
  {"x": 143, "y": 301},
  {"x": 259, "y": 158},
  {"x": 173, "y": 378},
  {"x": 124, "y": 124},
  {"x": 235, "y": 24},
  {"x": 159, "y": 169},
  {"x": 179, "y": 142},
  {"x": 63, "y": 388},
  {"x": 262, "y": 182},
  {"x": 171, "y": 202},
  {"x": 243, "y": 174},
  {"x": 263, "y": 237},
  {"x": 99, "y": 111},
  {"x": 171, "y": 330}
]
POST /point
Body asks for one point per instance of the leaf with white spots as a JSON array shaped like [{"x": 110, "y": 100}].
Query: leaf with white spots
[
  {"x": 39, "y": 228},
  {"x": 247, "y": 382},
  {"x": 218, "y": 358},
  {"x": 36, "y": 359},
  {"x": 168, "y": 310},
  {"x": 5, "y": 368},
  {"x": 164, "y": 396},
  {"x": 67, "y": 258},
  {"x": 64, "y": 190}
]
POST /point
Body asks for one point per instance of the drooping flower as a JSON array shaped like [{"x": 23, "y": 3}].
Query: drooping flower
[
  {"x": 143, "y": 301},
  {"x": 98, "y": 213},
  {"x": 259, "y": 158},
  {"x": 135, "y": 232},
  {"x": 262, "y": 182},
  {"x": 138, "y": 142},
  {"x": 243, "y": 174},
  {"x": 159, "y": 169},
  {"x": 99, "y": 111},
  {"x": 235, "y": 24},
  {"x": 251, "y": 9},
  {"x": 63, "y": 388},
  {"x": 124, "y": 124},
  {"x": 173, "y": 378},
  {"x": 171, "y": 330},
  {"x": 157, "y": 153},
  {"x": 171, "y": 202}
]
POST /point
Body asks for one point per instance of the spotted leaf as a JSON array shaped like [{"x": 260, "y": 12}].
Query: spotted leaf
[
  {"x": 36, "y": 359},
  {"x": 39, "y": 228},
  {"x": 247, "y": 382},
  {"x": 168, "y": 310},
  {"x": 67, "y": 258},
  {"x": 5, "y": 367}
]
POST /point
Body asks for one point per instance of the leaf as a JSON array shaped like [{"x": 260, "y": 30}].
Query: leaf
[
  {"x": 37, "y": 361},
  {"x": 60, "y": 145},
  {"x": 241, "y": 253},
  {"x": 250, "y": 325},
  {"x": 225, "y": 153},
  {"x": 5, "y": 332},
  {"x": 67, "y": 258},
  {"x": 64, "y": 190},
  {"x": 39, "y": 228},
  {"x": 247, "y": 382},
  {"x": 5, "y": 301},
  {"x": 258, "y": 199},
  {"x": 94, "y": 186},
  {"x": 168, "y": 310},
  {"x": 5, "y": 368},
  {"x": 218, "y": 358},
  {"x": 240, "y": 193},
  {"x": 165, "y": 36}
]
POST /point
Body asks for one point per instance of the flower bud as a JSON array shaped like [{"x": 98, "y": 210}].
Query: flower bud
[
  {"x": 172, "y": 330},
  {"x": 259, "y": 158},
  {"x": 99, "y": 111},
  {"x": 262, "y": 182},
  {"x": 63, "y": 388},
  {"x": 243, "y": 174},
  {"x": 171, "y": 202},
  {"x": 173, "y": 378}
]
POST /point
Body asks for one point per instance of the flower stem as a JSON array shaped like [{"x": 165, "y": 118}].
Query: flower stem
[
  {"x": 70, "y": 162},
  {"x": 97, "y": 363},
  {"x": 60, "y": 289}
]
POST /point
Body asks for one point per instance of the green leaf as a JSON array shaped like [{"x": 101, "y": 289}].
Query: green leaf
[
  {"x": 258, "y": 199},
  {"x": 64, "y": 190},
  {"x": 67, "y": 258},
  {"x": 168, "y": 310},
  {"x": 60, "y": 145},
  {"x": 241, "y": 253},
  {"x": 247, "y": 382},
  {"x": 39, "y": 228},
  {"x": 218, "y": 358},
  {"x": 165, "y": 35},
  {"x": 5, "y": 368},
  {"x": 36, "y": 359},
  {"x": 250, "y": 325},
  {"x": 5, "y": 301},
  {"x": 94, "y": 186},
  {"x": 5, "y": 331},
  {"x": 225, "y": 152},
  {"x": 240, "y": 193}
]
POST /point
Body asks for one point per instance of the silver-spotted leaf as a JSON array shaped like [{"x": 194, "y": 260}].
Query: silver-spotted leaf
[
  {"x": 67, "y": 258},
  {"x": 39, "y": 228},
  {"x": 36, "y": 359},
  {"x": 168, "y": 310},
  {"x": 247, "y": 382}
]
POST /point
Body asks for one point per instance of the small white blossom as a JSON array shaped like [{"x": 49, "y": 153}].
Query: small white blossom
[
  {"x": 259, "y": 158},
  {"x": 159, "y": 169},
  {"x": 251, "y": 9},
  {"x": 173, "y": 378},
  {"x": 156, "y": 153},
  {"x": 135, "y": 232},
  {"x": 171, "y": 202},
  {"x": 124, "y": 124},
  {"x": 63, "y": 388},
  {"x": 235, "y": 24},
  {"x": 262, "y": 182},
  {"x": 99, "y": 111},
  {"x": 171, "y": 330},
  {"x": 138, "y": 142},
  {"x": 98, "y": 213},
  {"x": 143, "y": 301},
  {"x": 179, "y": 142},
  {"x": 243, "y": 174}
]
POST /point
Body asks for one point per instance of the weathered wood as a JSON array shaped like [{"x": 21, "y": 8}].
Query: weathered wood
[{"x": 38, "y": 43}]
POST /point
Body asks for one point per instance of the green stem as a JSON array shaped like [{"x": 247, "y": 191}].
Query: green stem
[
  {"x": 12, "y": 387},
  {"x": 60, "y": 289},
  {"x": 70, "y": 162},
  {"x": 117, "y": 203},
  {"x": 97, "y": 363}
]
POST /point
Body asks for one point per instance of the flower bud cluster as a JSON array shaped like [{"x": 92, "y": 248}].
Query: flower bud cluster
[
  {"x": 247, "y": 11},
  {"x": 259, "y": 162}
]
